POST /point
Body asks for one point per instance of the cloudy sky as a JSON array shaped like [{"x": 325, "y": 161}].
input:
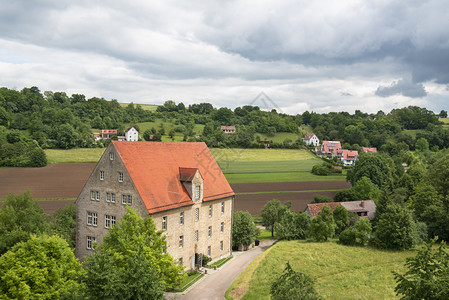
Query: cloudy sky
[{"x": 304, "y": 55}]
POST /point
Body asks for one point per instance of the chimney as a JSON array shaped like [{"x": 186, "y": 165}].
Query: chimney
[{"x": 362, "y": 203}]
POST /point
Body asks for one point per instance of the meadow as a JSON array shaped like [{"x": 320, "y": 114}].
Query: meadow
[{"x": 339, "y": 272}]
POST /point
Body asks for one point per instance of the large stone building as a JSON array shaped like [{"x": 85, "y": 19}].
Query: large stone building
[{"x": 179, "y": 185}]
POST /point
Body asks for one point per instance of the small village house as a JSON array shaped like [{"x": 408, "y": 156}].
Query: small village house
[
  {"x": 108, "y": 133},
  {"x": 311, "y": 139},
  {"x": 179, "y": 185},
  {"x": 329, "y": 149},
  {"x": 348, "y": 157},
  {"x": 363, "y": 208},
  {"x": 369, "y": 150},
  {"x": 228, "y": 129},
  {"x": 131, "y": 134}
]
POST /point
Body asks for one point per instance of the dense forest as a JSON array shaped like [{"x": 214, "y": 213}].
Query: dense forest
[{"x": 31, "y": 121}]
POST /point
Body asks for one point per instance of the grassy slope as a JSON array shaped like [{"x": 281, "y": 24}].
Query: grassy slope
[
  {"x": 74, "y": 155},
  {"x": 151, "y": 107},
  {"x": 340, "y": 272}
]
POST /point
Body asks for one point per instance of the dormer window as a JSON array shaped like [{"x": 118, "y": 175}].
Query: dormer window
[{"x": 197, "y": 191}]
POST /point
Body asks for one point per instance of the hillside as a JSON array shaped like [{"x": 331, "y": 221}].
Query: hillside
[{"x": 340, "y": 272}]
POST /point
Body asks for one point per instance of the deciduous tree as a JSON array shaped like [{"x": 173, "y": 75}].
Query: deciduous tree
[
  {"x": 272, "y": 212},
  {"x": 244, "y": 231}
]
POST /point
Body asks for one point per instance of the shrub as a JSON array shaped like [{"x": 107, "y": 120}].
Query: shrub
[
  {"x": 293, "y": 226},
  {"x": 347, "y": 237},
  {"x": 206, "y": 260},
  {"x": 321, "y": 170},
  {"x": 321, "y": 199},
  {"x": 293, "y": 285}
]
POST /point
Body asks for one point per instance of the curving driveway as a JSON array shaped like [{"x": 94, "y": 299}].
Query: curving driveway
[{"x": 214, "y": 285}]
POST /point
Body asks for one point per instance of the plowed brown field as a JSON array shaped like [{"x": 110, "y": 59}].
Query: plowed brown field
[{"x": 67, "y": 181}]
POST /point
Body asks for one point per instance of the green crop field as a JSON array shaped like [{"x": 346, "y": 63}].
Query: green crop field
[
  {"x": 151, "y": 107},
  {"x": 233, "y": 167},
  {"x": 339, "y": 272},
  {"x": 236, "y": 154},
  {"x": 279, "y": 177},
  {"x": 80, "y": 155}
]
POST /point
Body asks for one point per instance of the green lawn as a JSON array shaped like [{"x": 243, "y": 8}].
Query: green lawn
[
  {"x": 279, "y": 137},
  {"x": 151, "y": 107},
  {"x": 238, "y": 154},
  {"x": 231, "y": 167},
  {"x": 339, "y": 272},
  {"x": 186, "y": 282},
  {"x": 280, "y": 177},
  {"x": 79, "y": 155}
]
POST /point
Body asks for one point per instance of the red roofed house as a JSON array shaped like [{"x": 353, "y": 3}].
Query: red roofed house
[
  {"x": 228, "y": 129},
  {"x": 349, "y": 157},
  {"x": 329, "y": 148},
  {"x": 369, "y": 150},
  {"x": 179, "y": 185},
  {"x": 363, "y": 208},
  {"x": 311, "y": 139},
  {"x": 108, "y": 133}
]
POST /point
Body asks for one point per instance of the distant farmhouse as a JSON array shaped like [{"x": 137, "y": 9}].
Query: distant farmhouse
[
  {"x": 179, "y": 185},
  {"x": 330, "y": 149},
  {"x": 131, "y": 134},
  {"x": 228, "y": 129},
  {"x": 364, "y": 208},
  {"x": 311, "y": 139},
  {"x": 369, "y": 150}
]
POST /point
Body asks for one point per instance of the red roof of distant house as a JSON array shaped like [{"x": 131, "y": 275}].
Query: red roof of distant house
[
  {"x": 96, "y": 134},
  {"x": 366, "y": 206},
  {"x": 309, "y": 136},
  {"x": 350, "y": 154},
  {"x": 331, "y": 146},
  {"x": 156, "y": 167},
  {"x": 109, "y": 131},
  {"x": 315, "y": 208},
  {"x": 369, "y": 150},
  {"x": 227, "y": 127}
]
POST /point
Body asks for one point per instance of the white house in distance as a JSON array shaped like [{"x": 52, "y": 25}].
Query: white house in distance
[
  {"x": 311, "y": 139},
  {"x": 131, "y": 134}
]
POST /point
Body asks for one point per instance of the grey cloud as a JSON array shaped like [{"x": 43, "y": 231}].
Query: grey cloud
[{"x": 402, "y": 87}]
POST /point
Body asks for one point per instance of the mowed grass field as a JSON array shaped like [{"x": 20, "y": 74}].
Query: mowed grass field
[
  {"x": 238, "y": 165},
  {"x": 339, "y": 272}
]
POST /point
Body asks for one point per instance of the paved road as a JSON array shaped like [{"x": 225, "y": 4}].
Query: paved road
[{"x": 214, "y": 285}]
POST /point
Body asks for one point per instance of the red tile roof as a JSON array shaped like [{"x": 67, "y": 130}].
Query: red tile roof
[
  {"x": 331, "y": 146},
  {"x": 154, "y": 168},
  {"x": 187, "y": 174},
  {"x": 369, "y": 150},
  {"x": 315, "y": 208},
  {"x": 309, "y": 136},
  {"x": 350, "y": 154}
]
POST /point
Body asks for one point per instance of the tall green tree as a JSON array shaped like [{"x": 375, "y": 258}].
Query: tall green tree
[
  {"x": 341, "y": 219},
  {"x": 134, "y": 235},
  {"x": 244, "y": 231},
  {"x": 64, "y": 223},
  {"x": 395, "y": 229},
  {"x": 293, "y": 226},
  {"x": 42, "y": 267},
  {"x": 322, "y": 226},
  {"x": 20, "y": 217},
  {"x": 272, "y": 212}
]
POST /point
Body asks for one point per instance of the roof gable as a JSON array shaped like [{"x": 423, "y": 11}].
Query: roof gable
[{"x": 156, "y": 169}]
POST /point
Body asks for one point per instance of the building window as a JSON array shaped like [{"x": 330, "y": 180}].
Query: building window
[
  {"x": 222, "y": 226},
  {"x": 208, "y": 250},
  {"x": 221, "y": 245},
  {"x": 197, "y": 214},
  {"x": 181, "y": 218},
  {"x": 123, "y": 199},
  {"x": 222, "y": 207},
  {"x": 181, "y": 241},
  {"x": 210, "y": 210},
  {"x": 209, "y": 231},
  {"x": 112, "y": 198},
  {"x": 97, "y": 195},
  {"x": 130, "y": 199},
  {"x": 180, "y": 261},
  {"x": 108, "y": 197},
  {"x": 112, "y": 221},
  {"x": 164, "y": 223},
  {"x": 90, "y": 242},
  {"x": 120, "y": 176},
  {"x": 111, "y": 156},
  {"x": 92, "y": 218},
  {"x": 197, "y": 191},
  {"x": 101, "y": 175},
  {"x": 92, "y": 195},
  {"x": 107, "y": 221},
  {"x": 196, "y": 235}
]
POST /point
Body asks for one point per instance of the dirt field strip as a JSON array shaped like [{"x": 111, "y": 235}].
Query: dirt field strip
[{"x": 67, "y": 181}]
